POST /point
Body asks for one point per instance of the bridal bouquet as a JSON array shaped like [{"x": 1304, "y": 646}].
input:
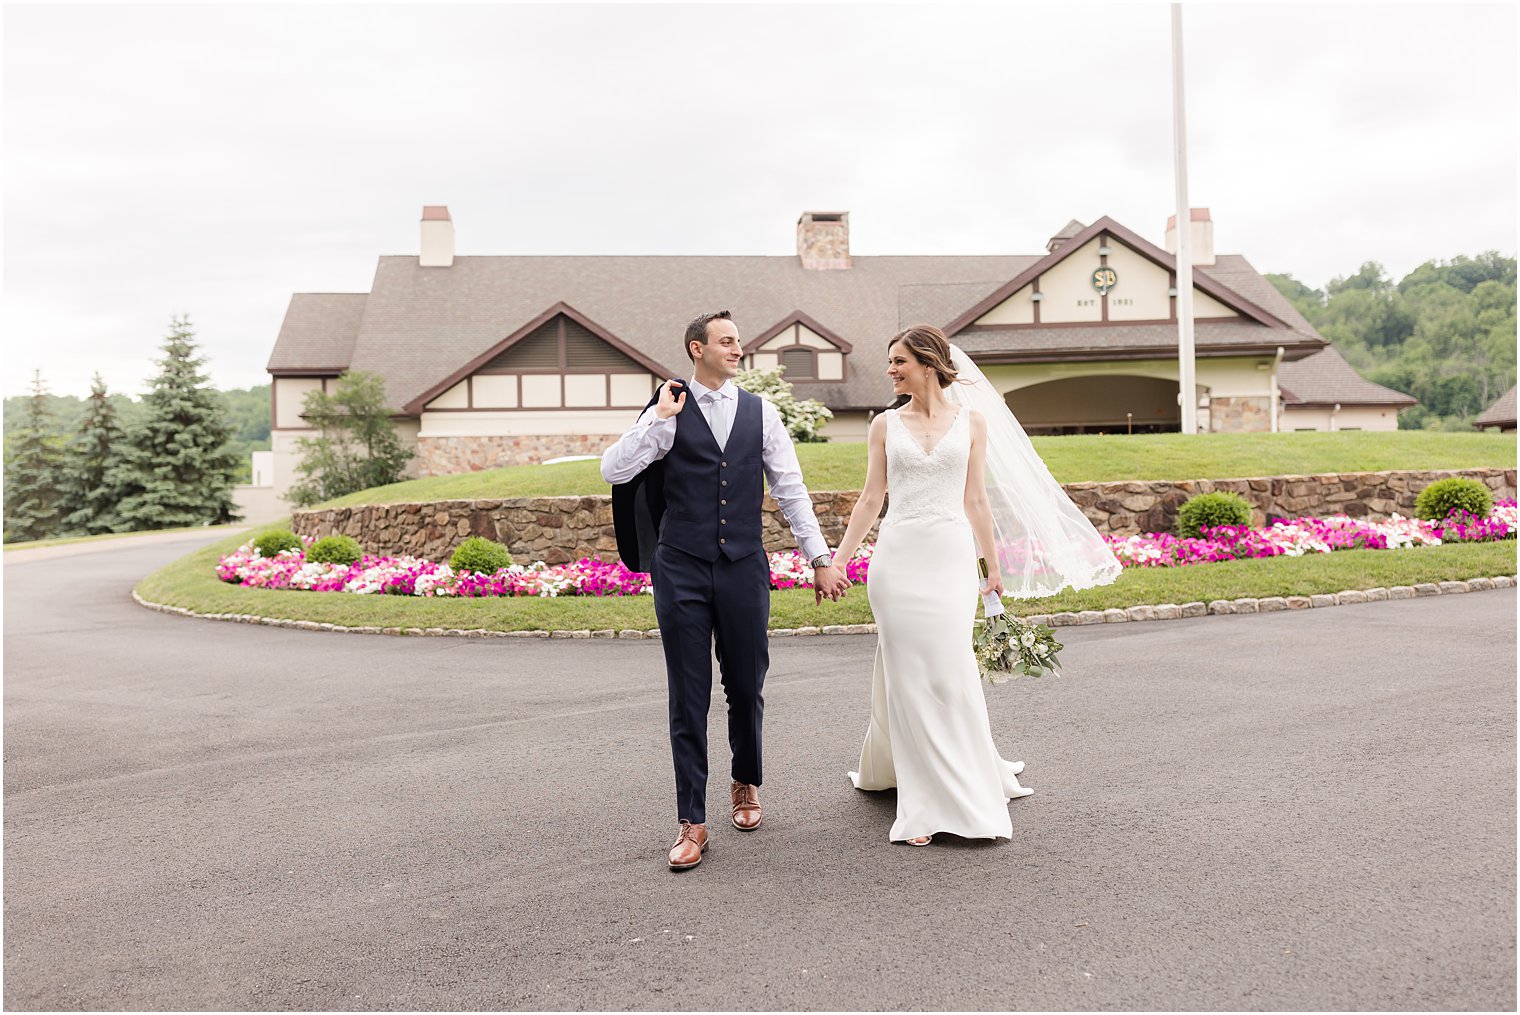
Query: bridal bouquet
[{"x": 1008, "y": 647}]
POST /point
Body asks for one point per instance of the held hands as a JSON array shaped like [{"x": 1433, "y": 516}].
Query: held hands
[
  {"x": 669, "y": 404},
  {"x": 829, "y": 581},
  {"x": 995, "y": 583}
]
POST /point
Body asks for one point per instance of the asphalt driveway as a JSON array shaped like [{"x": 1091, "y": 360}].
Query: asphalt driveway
[{"x": 1297, "y": 810}]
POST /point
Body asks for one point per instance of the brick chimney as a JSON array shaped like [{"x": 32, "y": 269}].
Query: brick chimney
[
  {"x": 823, "y": 239},
  {"x": 1200, "y": 237},
  {"x": 437, "y": 237}
]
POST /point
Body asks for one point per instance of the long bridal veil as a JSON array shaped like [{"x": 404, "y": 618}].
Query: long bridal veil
[{"x": 1044, "y": 542}]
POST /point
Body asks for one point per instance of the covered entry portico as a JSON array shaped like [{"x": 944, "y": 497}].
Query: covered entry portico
[{"x": 1108, "y": 403}]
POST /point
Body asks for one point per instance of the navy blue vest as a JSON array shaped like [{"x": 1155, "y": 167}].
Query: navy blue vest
[{"x": 713, "y": 497}]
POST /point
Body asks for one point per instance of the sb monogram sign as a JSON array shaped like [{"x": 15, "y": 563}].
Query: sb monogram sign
[{"x": 1104, "y": 279}]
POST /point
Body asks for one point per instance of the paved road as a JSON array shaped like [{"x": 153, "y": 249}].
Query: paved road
[{"x": 1306, "y": 810}]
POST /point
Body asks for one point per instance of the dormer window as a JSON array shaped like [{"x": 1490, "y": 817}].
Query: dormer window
[{"x": 809, "y": 351}]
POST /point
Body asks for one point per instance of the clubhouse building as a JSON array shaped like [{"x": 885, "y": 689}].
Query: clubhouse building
[{"x": 494, "y": 361}]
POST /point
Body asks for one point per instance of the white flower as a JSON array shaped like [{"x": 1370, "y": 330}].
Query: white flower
[
  {"x": 1040, "y": 649},
  {"x": 1028, "y": 639}
]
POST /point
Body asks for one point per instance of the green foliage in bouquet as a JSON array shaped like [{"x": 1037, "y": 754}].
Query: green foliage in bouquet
[
  {"x": 335, "y": 550},
  {"x": 1008, "y": 647},
  {"x": 271, "y": 543},
  {"x": 480, "y": 555},
  {"x": 1210, "y": 509},
  {"x": 1455, "y": 493}
]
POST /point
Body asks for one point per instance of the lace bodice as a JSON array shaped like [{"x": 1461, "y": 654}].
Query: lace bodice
[{"x": 927, "y": 485}]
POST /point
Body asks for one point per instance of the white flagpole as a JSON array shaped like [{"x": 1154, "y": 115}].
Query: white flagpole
[{"x": 1187, "y": 390}]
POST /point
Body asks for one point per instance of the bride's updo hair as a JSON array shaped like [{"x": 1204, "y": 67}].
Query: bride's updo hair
[{"x": 929, "y": 346}]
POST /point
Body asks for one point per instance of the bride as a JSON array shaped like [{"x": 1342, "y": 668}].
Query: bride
[{"x": 962, "y": 476}]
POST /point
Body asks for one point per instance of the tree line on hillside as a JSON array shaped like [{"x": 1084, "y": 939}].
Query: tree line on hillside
[
  {"x": 167, "y": 465},
  {"x": 247, "y": 412},
  {"x": 1444, "y": 333},
  {"x": 108, "y": 463}
]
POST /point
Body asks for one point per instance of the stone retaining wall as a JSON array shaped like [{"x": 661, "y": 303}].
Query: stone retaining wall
[{"x": 561, "y": 529}]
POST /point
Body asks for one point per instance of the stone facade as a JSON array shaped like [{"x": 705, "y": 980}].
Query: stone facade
[
  {"x": 443, "y": 456},
  {"x": 560, "y": 529},
  {"x": 1240, "y": 414}
]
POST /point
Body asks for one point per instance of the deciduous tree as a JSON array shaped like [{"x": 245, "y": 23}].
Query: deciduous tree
[{"x": 356, "y": 446}]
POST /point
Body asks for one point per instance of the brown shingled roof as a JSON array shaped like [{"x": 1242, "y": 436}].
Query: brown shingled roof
[
  {"x": 318, "y": 333},
  {"x": 422, "y": 324},
  {"x": 1326, "y": 378},
  {"x": 1501, "y": 413},
  {"x": 418, "y": 326}
]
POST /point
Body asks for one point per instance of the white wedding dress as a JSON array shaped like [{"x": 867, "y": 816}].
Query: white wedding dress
[{"x": 929, "y": 735}]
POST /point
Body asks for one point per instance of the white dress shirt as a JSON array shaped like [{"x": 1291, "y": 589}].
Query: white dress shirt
[{"x": 651, "y": 438}]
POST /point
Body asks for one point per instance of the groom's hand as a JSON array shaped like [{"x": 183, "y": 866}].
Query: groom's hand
[
  {"x": 669, "y": 404},
  {"x": 829, "y": 581}
]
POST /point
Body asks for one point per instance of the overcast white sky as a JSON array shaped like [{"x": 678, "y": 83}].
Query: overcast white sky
[{"x": 214, "y": 159}]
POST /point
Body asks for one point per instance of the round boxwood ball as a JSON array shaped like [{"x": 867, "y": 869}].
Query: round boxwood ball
[
  {"x": 335, "y": 550},
  {"x": 1210, "y": 509},
  {"x": 1454, "y": 493},
  {"x": 480, "y": 555},
  {"x": 271, "y": 543}
]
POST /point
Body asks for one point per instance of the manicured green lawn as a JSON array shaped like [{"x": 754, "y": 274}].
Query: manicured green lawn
[
  {"x": 191, "y": 583},
  {"x": 1084, "y": 458}
]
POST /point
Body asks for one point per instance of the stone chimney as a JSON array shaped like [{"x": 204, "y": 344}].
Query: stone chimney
[
  {"x": 823, "y": 239},
  {"x": 1058, "y": 241},
  {"x": 1200, "y": 237},
  {"x": 437, "y": 237}
]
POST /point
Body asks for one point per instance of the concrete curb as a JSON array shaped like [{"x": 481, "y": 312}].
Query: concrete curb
[{"x": 1163, "y": 611}]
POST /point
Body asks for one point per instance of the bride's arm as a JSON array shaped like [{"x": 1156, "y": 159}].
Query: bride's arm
[
  {"x": 978, "y": 510},
  {"x": 868, "y": 507}
]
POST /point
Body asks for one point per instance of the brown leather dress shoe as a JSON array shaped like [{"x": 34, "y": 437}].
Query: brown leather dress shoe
[
  {"x": 747, "y": 813},
  {"x": 689, "y": 846}
]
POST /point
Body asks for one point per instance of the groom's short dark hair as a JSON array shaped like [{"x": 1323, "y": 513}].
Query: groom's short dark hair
[{"x": 696, "y": 331}]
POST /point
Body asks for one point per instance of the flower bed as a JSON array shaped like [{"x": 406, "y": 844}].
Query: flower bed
[
  {"x": 1298, "y": 536},
  {"x": 412, "y": 576}
]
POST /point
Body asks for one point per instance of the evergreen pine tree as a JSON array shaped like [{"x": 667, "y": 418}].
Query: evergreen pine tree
[
  {"x": 33, "y": 504},
  {"x": 95, "y": 477},
  {"x": 178, "y": 455}
]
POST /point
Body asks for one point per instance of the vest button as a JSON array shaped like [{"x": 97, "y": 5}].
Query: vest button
[
  {"x": 723, "y": 482},
  {"x": 722, "y": 521},
  {"x": 722, "y": 540},
  {"x": 722, "y": 502},
  {"x": 723, "y": 464}
]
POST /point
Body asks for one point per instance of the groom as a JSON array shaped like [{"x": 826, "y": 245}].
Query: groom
[{"x": 688, "y": 484}]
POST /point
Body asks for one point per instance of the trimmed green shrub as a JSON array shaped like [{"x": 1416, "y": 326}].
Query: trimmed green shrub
[
  {"x": 480, "y": 555},
  {"x": 335, "y": 550},
  {"x": 1454, "y": 493},
  {"x": 269, "y": 544},
  {"x": 1210, "y": 509}
]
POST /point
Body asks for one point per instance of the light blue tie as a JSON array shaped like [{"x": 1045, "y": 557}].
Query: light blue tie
[{"x": 717, "y": 418}]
